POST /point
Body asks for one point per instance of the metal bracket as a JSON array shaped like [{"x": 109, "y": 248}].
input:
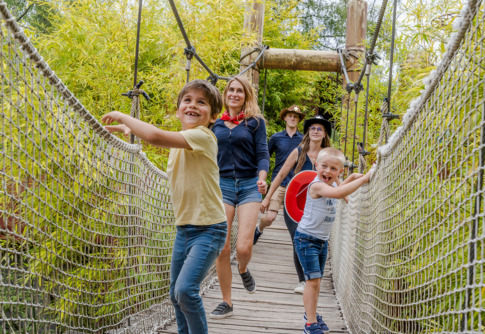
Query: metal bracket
[
  {"x": 130, "y": 93},
  {"x": 362, "y": 152},
  {"x": 373, "y": 58},
  {"x": 390, "y": 116},
  {"x": 213, "y": 78}
]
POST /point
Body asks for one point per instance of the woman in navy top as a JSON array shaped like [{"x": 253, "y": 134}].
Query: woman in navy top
[
  {"x": 243, "y": 161},
  {"x": 317, "y": 132}
]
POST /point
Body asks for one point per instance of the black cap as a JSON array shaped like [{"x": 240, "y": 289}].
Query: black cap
[{"x": 318, "y": 119}]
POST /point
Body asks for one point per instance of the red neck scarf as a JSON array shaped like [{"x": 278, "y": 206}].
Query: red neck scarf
[{"x": 226, "y": 117}]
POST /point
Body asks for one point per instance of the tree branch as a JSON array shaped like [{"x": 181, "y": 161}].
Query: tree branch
[{"x": 25, "y": 12}]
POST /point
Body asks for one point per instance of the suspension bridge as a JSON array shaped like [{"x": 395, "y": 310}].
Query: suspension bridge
[{"x": 86, "y": 223}]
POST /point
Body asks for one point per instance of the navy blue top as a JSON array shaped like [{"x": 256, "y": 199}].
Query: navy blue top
[
  {"x": 282, "y": 144},
  {"x": 243, "y": 150},
  {"x": 307, "y": 165}
]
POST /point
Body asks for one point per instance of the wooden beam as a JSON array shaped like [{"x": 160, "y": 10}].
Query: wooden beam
[{"x": 301, "y": 60}]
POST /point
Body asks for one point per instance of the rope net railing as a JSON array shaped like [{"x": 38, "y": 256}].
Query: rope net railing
[
  {"x": 86, "y": 222},
  {"x": 408, "y": 249}
]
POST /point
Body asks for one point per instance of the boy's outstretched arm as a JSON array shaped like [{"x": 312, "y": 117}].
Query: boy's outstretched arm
[
  {"x": 351, "y": 177},
  {"x": 324, "y": 190},
  {"x": 146, "y": 132}
]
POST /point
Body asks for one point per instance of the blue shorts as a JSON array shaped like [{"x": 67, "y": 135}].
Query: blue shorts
[
  {"x": 312, "y": 253},
  {"x": 240, "y": 191}
]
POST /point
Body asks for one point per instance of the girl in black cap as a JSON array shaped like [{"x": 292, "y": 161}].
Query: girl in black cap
[{"x": 317, "y": 132}]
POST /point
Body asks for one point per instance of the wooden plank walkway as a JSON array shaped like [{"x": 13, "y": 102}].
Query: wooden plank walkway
[{"x": 274, "y": 308}]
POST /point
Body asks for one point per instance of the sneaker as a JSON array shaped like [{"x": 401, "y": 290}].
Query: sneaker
[
  {"x": 300, "y": 287},
  {"x": 257, "y": 234},
  {"x": 312, "y": 329},
  {"x": 323, "y": 325},
  {"x": 248, "y": 281},
  {"x": 223, "y": 310}
]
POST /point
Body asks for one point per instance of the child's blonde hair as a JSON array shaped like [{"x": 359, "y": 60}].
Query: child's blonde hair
[
  {"x": 211, "y": 93},
  {"x": 332, "y": 152}
]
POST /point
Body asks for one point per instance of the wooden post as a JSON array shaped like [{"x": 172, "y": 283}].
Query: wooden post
[
  {"x": 356, "y": 31},
  {"x": 355, "y": 35},
  {"x": 253, "y": 25}
]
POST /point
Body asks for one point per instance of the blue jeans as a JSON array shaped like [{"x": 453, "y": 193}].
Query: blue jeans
[
  {"x": 194, "y": 252},
  {"x": 240, "y": 191},
  {"x": 312, "y": 253}
]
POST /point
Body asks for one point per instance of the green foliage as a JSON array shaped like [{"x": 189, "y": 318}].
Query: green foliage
[
  {"x": 91, "y": 46},
  {"x": 326, "y": 18},
  {"x": 34, "y": 13},
  {"x": 309, "y": 90}
]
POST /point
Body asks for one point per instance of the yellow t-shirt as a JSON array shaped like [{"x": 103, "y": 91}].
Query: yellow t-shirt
[{"x": 194, "y": 179}]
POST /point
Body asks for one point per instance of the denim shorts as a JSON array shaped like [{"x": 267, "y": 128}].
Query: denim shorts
[
  {"x": 240, "y": 191},
  {"x": 312, "y": 253}
]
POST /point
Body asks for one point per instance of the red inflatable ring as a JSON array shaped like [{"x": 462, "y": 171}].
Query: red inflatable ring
[{"x": 295, "y": 196}]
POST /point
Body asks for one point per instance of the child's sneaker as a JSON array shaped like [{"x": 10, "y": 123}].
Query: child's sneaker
[
  {"x": 223, "y": 310},
  {"x": 300, "y": 287},
  {"x": 312, "y": 329},
  {"x": 257, "y": 234},
  {"x": 323, "y": 325}
]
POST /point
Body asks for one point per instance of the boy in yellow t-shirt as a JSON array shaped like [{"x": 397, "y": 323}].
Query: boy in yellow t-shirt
[{"x": 196, "y": 196}]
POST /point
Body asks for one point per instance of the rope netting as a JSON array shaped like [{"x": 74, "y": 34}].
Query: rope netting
[
  {"x": 86, "y": 222},
  {"x": 408, "y": 249}
]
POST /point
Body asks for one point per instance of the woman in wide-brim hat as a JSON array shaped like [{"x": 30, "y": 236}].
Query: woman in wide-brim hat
[{"x": 317, "y": 131}]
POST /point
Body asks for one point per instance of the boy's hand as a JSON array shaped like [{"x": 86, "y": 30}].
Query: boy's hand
[
  {"x": 264, "y": 205},
  {"x": 118, "y": 128},
  {"x": 262, "y": 186},
  {"x": 114, "y": 116},
  {"x": 357, "y": 176},
  {"x": 369, "y": 174}
]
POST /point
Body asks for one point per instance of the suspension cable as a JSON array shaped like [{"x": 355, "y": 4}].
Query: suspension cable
[
  {"x": 391, "y": 57},
  {"x": 264, "y": 91},
  {"x": 180, "y": 24},
  {"x": 190, "y": 52},
  {"x": 336, "y": 101},
  {"x": 356, "y": 104},
  {"x": 344, "y": 69},
  {"x": 137, "y": 49},
  {"x": 347, "y": 124},
  {"x": 388, "y": 115},
  {"x": 362, "y": 150},
  {"x": 366, "y": 105},
  {"x": 370, "y": 54},
  {"x": 476, "y": 223}
]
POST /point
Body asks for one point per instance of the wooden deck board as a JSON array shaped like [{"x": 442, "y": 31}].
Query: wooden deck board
[{"x": 274, "y": 308}]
